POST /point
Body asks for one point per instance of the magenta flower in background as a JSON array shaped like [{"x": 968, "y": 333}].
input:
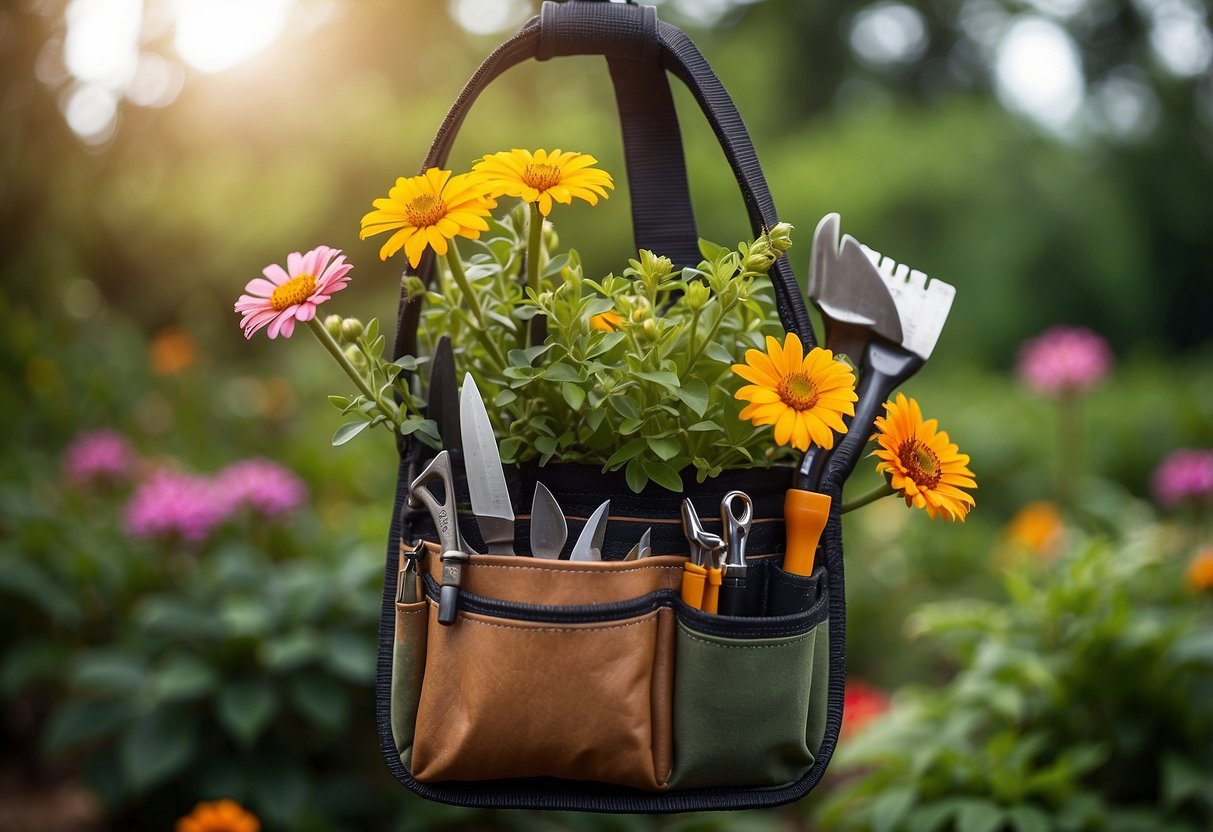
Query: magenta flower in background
[
  {"x": 1187, "y": 474},
  {"x": 265, "y": 487},
  {"x": 99, "y": 457},
  {"x": 173, "y": 504},
  {"x": 1064, "y": 360},
  {"x": 292, "y": 294}
]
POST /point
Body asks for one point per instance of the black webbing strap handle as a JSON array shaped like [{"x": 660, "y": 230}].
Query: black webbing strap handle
[{"x": 639, "y": 49}]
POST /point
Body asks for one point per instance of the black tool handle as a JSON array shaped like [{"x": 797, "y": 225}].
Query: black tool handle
[
  {"x": 732, "y": 596},
  {"x": 885, "y": 367}
]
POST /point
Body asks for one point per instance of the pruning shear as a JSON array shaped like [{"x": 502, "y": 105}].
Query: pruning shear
[{"x": 701, "y": 576}]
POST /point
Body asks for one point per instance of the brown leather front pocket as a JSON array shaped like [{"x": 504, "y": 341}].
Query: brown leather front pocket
[{"x": 506, "y": 698}]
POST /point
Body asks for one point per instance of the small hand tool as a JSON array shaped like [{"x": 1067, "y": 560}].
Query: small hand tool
[
  {"x": 642, "y": 549},
  {"x": 447, "y": 523},
  {"x": 406, "y": 578},
  {"x": 701, "y": 574},
  {"x": 736, "y": 514},
  {"x": 549, "y": 531},
  {"x": 442, "y": 399},
  {"x": 589, "y": 542},
  {"x": 485, "y": 476}
]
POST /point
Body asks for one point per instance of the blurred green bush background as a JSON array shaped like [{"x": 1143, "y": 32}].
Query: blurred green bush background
[{"x": 1051, "y": 159}]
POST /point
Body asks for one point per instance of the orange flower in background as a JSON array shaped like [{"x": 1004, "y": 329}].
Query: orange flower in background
[
  {"x": 542, "y": 177},
  {"x": 606, "y": 321},
  {"x": 861, "y": 703},
  {"x": 1037, "y": 527},
  {"x": 803, "y": 396},
  {"x": 172, "y": 350},
  {"x": 923, "y": 464},
  {"x": 219, "y": 816},
  {"x": 1200, "y": 571},
  {"x": 427, "y": 211}
]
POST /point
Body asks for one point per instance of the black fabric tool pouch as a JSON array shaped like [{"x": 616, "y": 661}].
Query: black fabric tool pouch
[{"x": 799, "y": 644}]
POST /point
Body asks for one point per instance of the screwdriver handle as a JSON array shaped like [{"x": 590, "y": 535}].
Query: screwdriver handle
[
  {"x": 693, "y": 577},
  {"x": 711, "y": 591},
  {"x": 805, "y": 513}
]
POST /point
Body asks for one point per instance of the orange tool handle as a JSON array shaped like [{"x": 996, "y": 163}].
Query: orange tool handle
[
  {"x": 711, "y": 591},
  {"x": 693, "y": 576},
  {"x": 805, "y": 513}
]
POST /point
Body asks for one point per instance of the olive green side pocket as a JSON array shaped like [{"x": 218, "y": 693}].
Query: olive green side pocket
[{"x": 408, "y": 667}]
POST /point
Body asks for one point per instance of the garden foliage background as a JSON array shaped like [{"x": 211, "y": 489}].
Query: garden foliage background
[{"x": 1050, "y": 158}]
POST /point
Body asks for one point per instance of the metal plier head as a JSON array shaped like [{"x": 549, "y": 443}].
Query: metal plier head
[{"x": 707, "y": 549}]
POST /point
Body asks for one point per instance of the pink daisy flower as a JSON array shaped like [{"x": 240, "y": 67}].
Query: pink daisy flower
[
  {"x": 1186, "y": 475},
  {"x": 292, "y": 294},
  {"x": 173, "y": 504},
  {"x": 1064, "y": 360},
  {"x": 99, "y": 457},
  {"x": 265, "y": 487}
]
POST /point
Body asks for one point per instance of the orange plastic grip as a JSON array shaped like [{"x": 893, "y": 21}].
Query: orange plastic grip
[
  {"x": 711, "y": 591},
  {"x": 805, "y": 513},
  {"x": 693, "y": 576}
]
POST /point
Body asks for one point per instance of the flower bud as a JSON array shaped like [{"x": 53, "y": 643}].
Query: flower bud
[
  {"x": 697, "y": 295},
  {"x": 781, "y": 237},
  {"x": 356, "y": 357},
  {"x": 414, "y": 286},
  {"x": 550, "y": 238},
  {"x": 333, "y": 324},
  {"x": 759, "y": 256},
  {"x": 351, "y": 328},
  {"x": 650, "y": 329}
]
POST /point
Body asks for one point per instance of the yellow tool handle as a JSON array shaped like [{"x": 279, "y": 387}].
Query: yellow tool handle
[
  {"x": 805, "y": 513},
  {"x": 711, "y": 591},
  {"x": 693, "y": 576}
]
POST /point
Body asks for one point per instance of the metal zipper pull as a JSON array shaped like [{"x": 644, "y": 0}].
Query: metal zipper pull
[{"x": 410, "y": 568}]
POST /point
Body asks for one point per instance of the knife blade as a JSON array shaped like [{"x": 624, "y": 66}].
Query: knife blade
[
  {"x": 443, "y": 399},
  {"x": 485, "y": 476},
  {"x": 643, "y": 547},
  {"x": 589, "y": 542},
  {"x": 549, "y": 530}
]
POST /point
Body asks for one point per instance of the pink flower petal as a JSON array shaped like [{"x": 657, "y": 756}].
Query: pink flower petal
[
  {"x": 294, "y": 264},
  {"x": 288, "y": 327},
  {"x": 260, "y": 288},
  {"x": 276, "y": 274},
  {"x": 306, "y": 312},
  {"x": 278, "y": 322}
]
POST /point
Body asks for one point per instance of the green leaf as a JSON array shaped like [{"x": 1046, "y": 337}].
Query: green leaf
[
  {"x": 507, "y": 322},
  {"x": 594, "y": 417},
  {"x": 157, "y": 748},
  {"x": 321, "y": 700},
  {"x": 667, "y": 448},
  {"x": 505, "y": 397},
  {"x": 546, "y": 445},
  {"x": 573, "y": 395},
  {"x": 636, "y": 478},
  {"x": 348, "y": 431},
  {"x": 624, "y": 406},
  {"x": 1028, "y": 819},
  {"x": 351, "y": 657},
  {"x": 667, "y": 380},
  {"x": 339, "y": 402},
  {"x": 705, "y": 425},
  {"x": 406, "y": 362},
  {"x": 694, "y": 394},
  {"x": 978, "y": 816},
  {"x": 290, "y": 651},
  {"x": 80, "y": 720},
  {"x": 1182, "y": 780},
  {"x": 629, "y": 426},
  {"x": 710, "y": 251},
  {"x": 562, "y": 372},
  {"x": 244, "y": 709},
  {"x": 371, "y": 332},
  {"x": 890, "y": 808},
  {"x": 31, "y": 661},
  {"x": 1194, "y": 648},
  {"x": 628, "y": 451},
  {"x": 663, "y": 475},
  {"x": 525, "y": 358},
  {"x": 110, "y": 671},
  {"x": 607, "y": 342},
  {"x": 182, "y": 677},
  {"x": 716, "y": 352}
]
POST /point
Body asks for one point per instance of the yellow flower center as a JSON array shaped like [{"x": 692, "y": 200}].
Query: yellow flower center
[
  {"x": 541, "y": 177},
  {"x": 296, "y": 290},
  {"x": 424, "y": 209},
  {"x": 798, "y": 391},
  {"x": 920, "y": 463}
]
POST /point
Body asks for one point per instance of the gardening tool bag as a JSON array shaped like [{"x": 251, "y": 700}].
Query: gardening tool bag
[{"x": 591, "y": 685}]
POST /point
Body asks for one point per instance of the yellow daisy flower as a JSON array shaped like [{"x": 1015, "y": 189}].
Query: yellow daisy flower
[
  {"x": 923, "y": 464},
  {"x": 542, "y": 177},
  {"x": 804, "y": 397},
  {"x": 428, "y": 210},
  {"x": 218, "y": 816},
  {"x": 606, "y": 321}
]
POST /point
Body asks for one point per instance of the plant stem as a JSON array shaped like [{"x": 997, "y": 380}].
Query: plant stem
[
  {"x": 482, "y": 322},
  {"x": 698, "y": 353},
  {"x": 883, "y": 490},
  {"x": 322, "y": 335},
  {"x": 1069, "y": 451},
  {"x": 533, "y": 241}
]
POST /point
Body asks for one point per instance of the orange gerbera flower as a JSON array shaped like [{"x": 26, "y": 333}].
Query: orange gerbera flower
[
  {"x": 923, "y": 464},
  {"x": 219, "y": 816},
  {"x": 803, "y": 396}
]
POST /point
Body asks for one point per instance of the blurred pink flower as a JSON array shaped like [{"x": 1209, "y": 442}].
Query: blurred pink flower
[
  {"x": 99, "y": 456},
  {"x": 265, "y": 487},
  {"x": 173, "y": 504},
  {"x": 1064, "y": 360},
  {"x": 292, "y": 294},
  {"x": 1187, "y": 474}
]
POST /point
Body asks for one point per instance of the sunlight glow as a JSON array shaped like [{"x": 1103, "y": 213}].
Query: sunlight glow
[
  {"x": 488, "y": 17},
  {"x": 103, "y": 41},
  {"x": 214, "y": 35},
  {"x": 1038, "y": 73},
  {"x": 889, "y": 33}
]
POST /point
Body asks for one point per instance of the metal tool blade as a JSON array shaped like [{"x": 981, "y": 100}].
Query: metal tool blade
[
  {"x": 485, "y": 476},
  {"x": 922, "y": 303},
  {"x": 589, "y": 542},
  {"x": 848, "y": 288},
  {"x": 549, "y": 530},
  {"x": 443, "y": 399},
  {"x": 642, "y": 549}
]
